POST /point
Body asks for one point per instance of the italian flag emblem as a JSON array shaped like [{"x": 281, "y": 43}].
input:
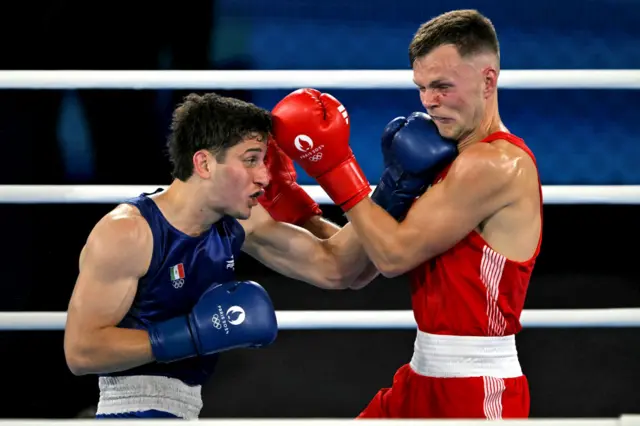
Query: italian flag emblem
[{"x": 177, "y": 272}]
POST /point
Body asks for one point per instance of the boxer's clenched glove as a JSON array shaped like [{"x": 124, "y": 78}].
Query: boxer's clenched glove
[
  {"x": 283, "y": 198},
  {"x": 232, "y": 315},
  {"x": 414, "y": 153},
  {"x": 313, "y": 129}
]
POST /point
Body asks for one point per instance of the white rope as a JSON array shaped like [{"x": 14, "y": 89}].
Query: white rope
[
  {"x": 624, "y": 420},
  {"x": 294, "y": 79},
  {"x": 371, "y": 320},
  {"x": 30, "y": 194}
]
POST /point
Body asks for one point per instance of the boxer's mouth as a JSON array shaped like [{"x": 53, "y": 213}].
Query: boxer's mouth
[
  {"x": 442, "y": 120},
  {"x": 254, "y": 198}
]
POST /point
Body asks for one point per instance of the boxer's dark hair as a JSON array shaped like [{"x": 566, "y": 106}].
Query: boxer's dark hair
[
  {"x": 468, "y": 30},
  {"x": 215, "y": 123}
]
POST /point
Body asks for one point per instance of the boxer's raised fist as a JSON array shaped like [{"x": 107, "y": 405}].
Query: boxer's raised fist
[
  {"x": 283, "y": 198},
  {"x": 413, "y": 153},
  {"x": 312, "y": 128}
]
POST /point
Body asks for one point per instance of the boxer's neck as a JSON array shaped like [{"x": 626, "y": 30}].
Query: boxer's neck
[
  {"x": 180, "y": 206},
  {"x": 490, "y": 123}
]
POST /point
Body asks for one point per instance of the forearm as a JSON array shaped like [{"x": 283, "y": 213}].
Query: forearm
[
  {"x": 345, "y": 263},
  {"x": 377, "y": 232},
  {"x": 348, "y": 254},
  {"x": 324, "y": 229},
  {"x": 348, "y": 257},
  {"x": 321, "y": 227},
  {"x": 369, "y": 273},
  {"x": 107, "y": 350},
  {"x": 332, "y": 263}
]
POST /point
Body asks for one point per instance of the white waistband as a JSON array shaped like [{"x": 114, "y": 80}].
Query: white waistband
[
  {"x": 126, "y": 394},
  {"x": 465, "y": 356}
]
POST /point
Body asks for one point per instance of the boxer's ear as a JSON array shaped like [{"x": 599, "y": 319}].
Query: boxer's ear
[
  {"x": 490, "y": 81},
  {"x": 204, "y": 163}
]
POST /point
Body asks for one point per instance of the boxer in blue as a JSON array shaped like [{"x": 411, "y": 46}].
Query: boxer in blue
[{"x": 156, "y": 300}]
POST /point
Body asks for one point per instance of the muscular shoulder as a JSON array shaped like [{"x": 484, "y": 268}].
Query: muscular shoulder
[
  {"x": 122, "y": 227},
  {"x": 486, "y": 168},
  {"x": 122, "y": 237}
]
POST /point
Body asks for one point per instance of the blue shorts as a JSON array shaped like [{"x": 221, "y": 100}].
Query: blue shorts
[{"x": 138, "y": 415}]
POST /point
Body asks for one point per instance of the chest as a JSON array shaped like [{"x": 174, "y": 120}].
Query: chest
[{"x": 185, "y": 272}]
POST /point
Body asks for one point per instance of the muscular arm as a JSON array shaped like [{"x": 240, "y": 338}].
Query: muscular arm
[
  {"x": 321, "y": 227},
  {"x": 334, "y": 263},
  {"x": 324, "y": 229},
  {"x": 477, "y": 186},
  {"x": 117, "y": 253}
]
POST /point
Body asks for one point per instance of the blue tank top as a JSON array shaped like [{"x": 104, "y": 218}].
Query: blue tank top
[{"x": 182, "y": 268}]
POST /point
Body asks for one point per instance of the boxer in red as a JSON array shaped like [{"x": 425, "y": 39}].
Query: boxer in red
[{"x": 469, "y": 243}]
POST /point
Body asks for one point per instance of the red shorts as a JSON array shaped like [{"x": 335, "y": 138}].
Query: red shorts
[{"x": 416, "y": 396}]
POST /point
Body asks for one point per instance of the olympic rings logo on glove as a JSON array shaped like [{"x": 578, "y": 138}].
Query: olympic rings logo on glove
[
  {"x": 215, "y": 320},
  {"x": 316, "y": 157}
]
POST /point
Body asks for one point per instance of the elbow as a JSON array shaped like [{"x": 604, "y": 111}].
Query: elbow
[
  {"x": 392, "y": 264},
  {"x": 77, "y": 369},
  {"x": 78, "y": 358},
  {"x": 390, "y": 270},
  {"x": 344, "y": 283},
  {"x": 333, "y": 278},
  {"x": 335, "y": 282},
  {"x": 77, "y": 363},
  {"x": 353, "y": 279},
  {"x": 348, "y": 277},
  {"x": 331, "y": 274}
]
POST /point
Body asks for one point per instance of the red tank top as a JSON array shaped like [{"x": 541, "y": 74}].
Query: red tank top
[{"x": 471, "y": 290}]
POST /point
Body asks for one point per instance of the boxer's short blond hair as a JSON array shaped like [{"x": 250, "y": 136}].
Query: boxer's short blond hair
[{"x": 468, "y": 30}]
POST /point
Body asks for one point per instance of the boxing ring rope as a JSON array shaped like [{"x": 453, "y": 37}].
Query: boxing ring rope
[
  {"x": 370, "y": 320},
  {"x": 98, "y": 194},
  {"x": 294, "y": 79}
]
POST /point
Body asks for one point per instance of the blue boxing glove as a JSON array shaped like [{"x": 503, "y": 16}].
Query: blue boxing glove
[
  {"x": 414, "y": 153},
  {"x": 227, "y": 316}
]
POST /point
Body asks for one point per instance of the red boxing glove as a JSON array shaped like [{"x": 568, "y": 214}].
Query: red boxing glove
[
  {"x": 313, "y": 130},
  {"x": 283, "y": 198}
]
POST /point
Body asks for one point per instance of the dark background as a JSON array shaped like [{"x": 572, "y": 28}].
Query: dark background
[{"x": 117, "y": 137}]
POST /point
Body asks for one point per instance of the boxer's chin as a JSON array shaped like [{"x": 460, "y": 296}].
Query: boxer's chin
[
  {"x": 240, "y": 212},
  {"x": 242, "y": 215},
  {"x": 445, "y": 133},
  {"x": 450, "y": 130},
  {"x": 253, "y": 202}
]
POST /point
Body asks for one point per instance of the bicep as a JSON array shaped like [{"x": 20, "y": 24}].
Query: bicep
[
  {"x": 110, "y": 268},
  {"x": 435, "y": 224},
  {"x": 100, "y": 300},
  {"x": 442, "y": 217}
]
